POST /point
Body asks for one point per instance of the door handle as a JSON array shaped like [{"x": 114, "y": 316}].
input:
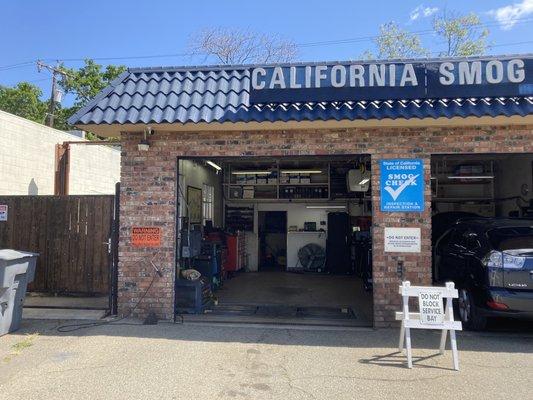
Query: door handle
[{"x": 108, "y": 244}]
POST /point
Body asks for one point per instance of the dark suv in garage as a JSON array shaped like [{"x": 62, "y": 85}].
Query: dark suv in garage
[{"x": 491, "y": 262}]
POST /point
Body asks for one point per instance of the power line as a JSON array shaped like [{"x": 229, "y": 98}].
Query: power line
[
  {"x": 419, "y": 32},
  {"x": 19, "y": 65},
  {"x": 129, "y": 57},
  {"x": 309, "y": 44}
]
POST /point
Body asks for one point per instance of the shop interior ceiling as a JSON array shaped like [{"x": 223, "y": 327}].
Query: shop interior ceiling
[{"x": 290, "y": 161}]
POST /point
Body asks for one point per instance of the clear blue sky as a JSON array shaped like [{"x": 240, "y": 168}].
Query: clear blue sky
[{"x": 65, "y": 29}]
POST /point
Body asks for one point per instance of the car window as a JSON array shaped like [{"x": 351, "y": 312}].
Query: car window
[{"x": 511, "y": 238}]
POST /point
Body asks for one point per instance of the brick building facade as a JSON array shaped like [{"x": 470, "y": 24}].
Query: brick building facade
[
  {"x": 148, "y": 193},
  {"x": 399, "y": 110}
]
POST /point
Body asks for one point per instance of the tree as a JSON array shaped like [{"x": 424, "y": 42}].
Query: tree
[
  {"x": 86, "y": 82},
  {"x": 23, "y": 100},
  {"x": 394, "y": 42},
  {"x": 235, "y": 46},
  {"x": 462, "y": 34}
]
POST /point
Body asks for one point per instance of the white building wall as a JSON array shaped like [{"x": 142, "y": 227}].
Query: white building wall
[
  {"x": 27, "y": 160},
  {"x": 93, "y": 169},
  {"x": 195, "y": 174}
]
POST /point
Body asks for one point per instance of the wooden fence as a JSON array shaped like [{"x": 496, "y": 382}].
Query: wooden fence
[{"x": 71, "y": 235}]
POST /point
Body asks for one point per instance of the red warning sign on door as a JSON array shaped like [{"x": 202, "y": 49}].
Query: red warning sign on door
[{"x": 146, "y": 236}]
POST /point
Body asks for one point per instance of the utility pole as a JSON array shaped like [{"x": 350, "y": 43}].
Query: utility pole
[{"x": 55, "y": 71}]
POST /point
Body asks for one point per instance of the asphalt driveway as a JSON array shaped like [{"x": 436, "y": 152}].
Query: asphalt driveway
[{"x": 172, "y": 361}]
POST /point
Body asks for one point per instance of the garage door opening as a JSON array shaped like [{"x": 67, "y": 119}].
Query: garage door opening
[
  {"x": 482, "y": 233},
  {"x": 283, "y": 240}
]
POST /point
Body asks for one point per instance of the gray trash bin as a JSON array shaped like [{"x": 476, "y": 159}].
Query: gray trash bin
[{"x": 17, "y": 269}]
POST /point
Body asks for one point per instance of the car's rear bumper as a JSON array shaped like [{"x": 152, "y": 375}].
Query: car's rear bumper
[{"x": 519, "y": 303}]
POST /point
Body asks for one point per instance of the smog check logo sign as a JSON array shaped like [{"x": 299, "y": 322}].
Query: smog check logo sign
[{"x": 402, "y": 185}]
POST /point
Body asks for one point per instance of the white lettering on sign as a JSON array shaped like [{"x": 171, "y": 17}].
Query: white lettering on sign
[
  {"x": 431, "y": 308},
  {"x": 3, "y": 212},
  {"x": 402, "y": 240},
  {"x": 461, "y": 73},
  {"x": 473, "y": 72}
]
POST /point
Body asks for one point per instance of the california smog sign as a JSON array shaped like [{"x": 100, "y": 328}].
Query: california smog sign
[
  {"x": 374, "y": 81},
  {"x": 431, "y": 308}
]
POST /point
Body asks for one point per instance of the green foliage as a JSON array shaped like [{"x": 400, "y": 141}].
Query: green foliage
[
  {"x": 23, "y": 100},
  {"x": 394, "y": 42},
  {"x": 86, "y": 82},
  {"x": 462, "y": 34}
]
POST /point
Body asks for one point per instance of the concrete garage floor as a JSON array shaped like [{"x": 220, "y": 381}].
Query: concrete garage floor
[
  {"x": 292, "y": 298},
  {"x": 205, "y": 362}
]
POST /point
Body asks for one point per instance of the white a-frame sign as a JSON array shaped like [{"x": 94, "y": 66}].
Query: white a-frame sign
[{"x": 431, "y": 315}]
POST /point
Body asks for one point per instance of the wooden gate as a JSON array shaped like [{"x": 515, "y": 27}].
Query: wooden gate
[{"x": 73, "y": 236}]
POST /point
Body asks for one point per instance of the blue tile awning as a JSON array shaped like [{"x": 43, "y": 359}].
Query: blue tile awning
[{"x": 222, "y": 94}]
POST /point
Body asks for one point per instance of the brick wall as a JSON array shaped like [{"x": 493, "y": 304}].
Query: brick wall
[{"x": 148, "y": 194}]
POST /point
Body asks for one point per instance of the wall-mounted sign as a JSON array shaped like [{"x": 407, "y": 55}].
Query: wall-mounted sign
[
  {"x": 146, "y": 236},
  {"x": 486, "y": 77},
  {"x": 3, "y": 212},
  {"x": 402, "y": 240},
  {"x": 431, "y": 307},
  {"x": 402, "y": 185}
]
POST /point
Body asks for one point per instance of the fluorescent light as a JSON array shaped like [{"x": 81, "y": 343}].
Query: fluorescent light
[
  {"x": 364, "y": 181},
  {"x": 327, "y": 207},
  {"x": 215, "y": 166},
  {"x": 472, "y": 177},
  {"x": 301, "y": 171},
  {"x": 251, "y": 172}
]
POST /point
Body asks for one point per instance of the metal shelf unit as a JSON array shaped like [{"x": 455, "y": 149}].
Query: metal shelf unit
[{"x": 235, "y": 191}]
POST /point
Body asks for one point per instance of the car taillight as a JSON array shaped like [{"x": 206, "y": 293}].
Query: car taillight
[
  {"x": 497, "y": 259},
  {"x": 513, "y": 262}
]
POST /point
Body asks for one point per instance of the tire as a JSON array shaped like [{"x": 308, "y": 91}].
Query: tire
[{"x": 468, "y": 312}]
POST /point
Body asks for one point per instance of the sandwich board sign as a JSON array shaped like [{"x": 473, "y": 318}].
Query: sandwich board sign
[{"x": 432, "y": 315}]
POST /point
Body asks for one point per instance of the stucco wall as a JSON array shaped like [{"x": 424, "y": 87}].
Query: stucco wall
[
  {"x": 27, "y": 160},
  {"x": 93, "y": 169}
]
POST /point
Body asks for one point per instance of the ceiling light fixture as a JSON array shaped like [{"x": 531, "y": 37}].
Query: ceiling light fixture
[
  {"x": 332, "y": 207},
  {"x": 251, "y": 172},
  {"x": 301, "y": 171},
  {"x": 215, "y": 166},
  {"x": 471, "y": 177}
]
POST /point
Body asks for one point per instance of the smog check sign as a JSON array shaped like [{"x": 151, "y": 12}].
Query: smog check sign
[{"x": 402, "y": 185}]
